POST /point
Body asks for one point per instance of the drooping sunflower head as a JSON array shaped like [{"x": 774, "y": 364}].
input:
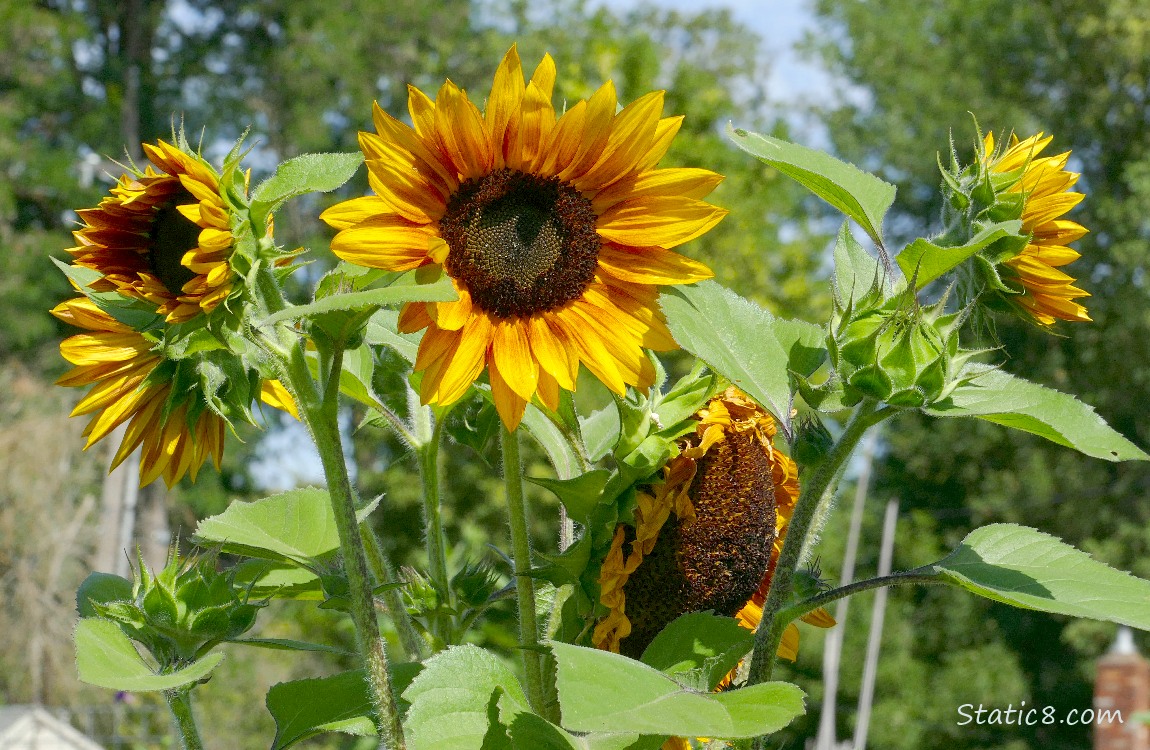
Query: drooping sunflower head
[
  {"x": 132, "y": 382},
  {"x": 162, "y": 235},
  {"x": 707, "y": 535},
  {"x": 1041, "y": 187},
  {"x": 555, "y": 229}
]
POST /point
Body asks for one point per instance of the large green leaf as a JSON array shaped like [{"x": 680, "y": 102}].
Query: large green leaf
[
  {"x": 743, "y": 342},
  {"x": 305, "y": 708},
  {"x": 1001, "y": 398},
  {"x": 107, "y": 658},
  {"x": 309, "y": 173},
  {"x": 859, "y": 195},
  {"x": 604, "y": 692},
  {"x": 451, "y": 696},
  {"x": 296, "y": 526},
  {"x": 698, "y": 649},
  {"x": 1027, "y": 568},
  {"x": 930, "y": 261}
]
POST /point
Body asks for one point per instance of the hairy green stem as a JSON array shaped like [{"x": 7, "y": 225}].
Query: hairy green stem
[
  {"x": 434, "y": 536},
  {"x": 180, "y": 702},
  {"x": 322, "y": 418},
  {"x": 384, "y": 573},
  {"x": 924, "y": 575},
  {"x": 770, "y": 631},
  {"x": 521, "y": 554}
]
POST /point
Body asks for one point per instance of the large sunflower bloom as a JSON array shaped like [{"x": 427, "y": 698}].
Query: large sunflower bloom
[
  {"x": 555, "y": 230},
  {"x": 132, "y": 383},
  {"x": 705, "y": 537},
  {"x": 163, "y": 237},
  {"x": 1044, "y": 183}
]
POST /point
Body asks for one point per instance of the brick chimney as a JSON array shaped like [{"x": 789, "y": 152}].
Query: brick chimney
[{"x": 1122, "y": 685}]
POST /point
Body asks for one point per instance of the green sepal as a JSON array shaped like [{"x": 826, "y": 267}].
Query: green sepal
[{"x": 926, "y": 261}]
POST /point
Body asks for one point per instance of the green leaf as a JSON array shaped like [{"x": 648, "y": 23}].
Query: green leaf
[
  {"x": 267, "y": 580},
  {"x": 305, "y": 708},
  {"x": 101, "y": 588},
  {"x": 698, "y": 649},
  {"x": 1027, "y": 568},
  {"x": 743, "y": 342},
  {"x": 1001, "y": 398},
  {"x": 450, "y": 697},
  {"x": 600, "y": 431},
  {"x": 861, "y": 196},
  {"x": 309, "y": 173},
  {"x": 931, "y": 261},
  {"x": 382, "y": 329},
  {"x": 579, "y": 494},
  {"x": 856, "y": 272},
  {"x": 296, "y": 526},
  {"x": 107, "y": 658},
  {"x": 562, "y": 455},
  {"x": 532, "y": 732},
  {"x": 403, "y": 290},
  {"x": 604, "y": 692}
]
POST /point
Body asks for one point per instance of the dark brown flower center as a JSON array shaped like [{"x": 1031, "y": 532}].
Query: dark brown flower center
[
  {"x": 173, "y": 235},
  {"x": 715, "y": 562},
  {"x": 521, "y": 244}
]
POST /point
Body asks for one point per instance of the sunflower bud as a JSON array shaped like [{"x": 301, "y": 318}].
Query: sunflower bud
[
  {"x": 896, "y": 352},
  {"x": 182, "y": 611}
]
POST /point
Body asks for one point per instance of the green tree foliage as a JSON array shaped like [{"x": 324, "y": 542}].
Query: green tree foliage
[
  {"x": 1076, "y": 70},
  {"x": 82, "y": 83}
]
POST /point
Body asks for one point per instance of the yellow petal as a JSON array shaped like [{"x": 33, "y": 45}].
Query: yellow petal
[
  {"x": 789, "y": 645},
  {"x": 632, "y": 134},
  {"x": 533, "y": 135},
  {"x": 650, "y": 265},
  {"x": 565, "y": 139},
  {"x": 413, "y": 317},
  {"x": 591, "y": 351},
  {"x": 396, "y": 138},
  {"x": 349, "y": 213},
  {"x": 507, "y": 403},
  {"x": 820, "y": 618},
  {"x": 665, "y": 132},
  {"x": 548, "y": 391},
  {"x": 452, "y": 316},
  {"x": 688, "y": 183},
  {"x": 665, "y": 221},
  {"x": 386, "y": 242},
  {"x": 596, "y": 130},
  {"x": 405, "y": 191},
  {"x": 504, "y": 103},
  {"x": 273, "y": 393},
  {"x": 466, "y": 361},
  {"x": 553, "y": 354},
  {"x": 460, "y": 129},
  {"x": 511, "y": 353}
]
